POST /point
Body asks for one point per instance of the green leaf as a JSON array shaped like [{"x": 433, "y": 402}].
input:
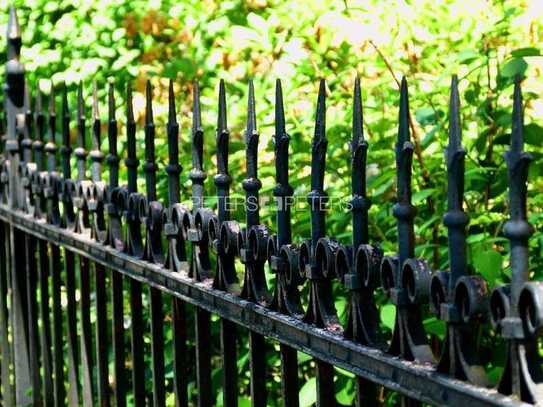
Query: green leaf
[
  {"x": 526, "y": 52},
  {"x": 425, "y": 116},
  {"x": 533, "y": 134},
  {"x": 515, "y": 66},
  {"x": 435, "y": 327},
  {"x": 488, "y": 263},
  {"x": 308, "y": 393},
  {"x": 467, "y": 56},
  {"x": 388, "y": 315},
  {"x": 421, "y": 195}
]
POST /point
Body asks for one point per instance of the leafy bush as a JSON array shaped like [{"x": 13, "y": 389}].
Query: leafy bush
[{"x": 485, "y": 43}]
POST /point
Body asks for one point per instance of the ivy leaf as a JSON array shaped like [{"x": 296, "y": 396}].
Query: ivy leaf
[
  {"x": 515, "y": 66},
  {"x": 388, "y": 315},
  {"x": 467, "y": 56},
  {"x": 526, "y": 52},
  {"x": 308, "y": 393},
  {"x": 533, "y": 134},
  {"x": 488, "y": 263}
]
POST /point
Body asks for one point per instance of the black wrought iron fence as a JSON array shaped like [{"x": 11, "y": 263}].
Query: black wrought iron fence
[{"x": 61, "y": 236}]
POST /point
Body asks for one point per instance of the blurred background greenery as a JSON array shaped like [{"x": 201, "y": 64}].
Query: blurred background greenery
[{"x": 485, "y": 42}]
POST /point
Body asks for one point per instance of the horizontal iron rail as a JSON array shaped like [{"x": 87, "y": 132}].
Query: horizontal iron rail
[{"x": 412, "y": 379}]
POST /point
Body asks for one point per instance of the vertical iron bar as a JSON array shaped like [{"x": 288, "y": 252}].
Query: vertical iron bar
[
  {"x": 316, "y": 198},
  {"x": 97, "y": 157},
  {"x": 53, "y": 216},
  {"x": 157, "y": 316},
  {"x": 178, "y": 307},
  {"x": 84, "y": 266},
  {"x": 227, "y": 328},
  {"x": 202, "y": 320},
  {"x": 136, "y": 328},
  {"x": 69, "y": 260},
  {"x": 283, "y": 192},
  {"x": 251, "y": 185},
  {"x": 5, "y": 347},
  {"x": 116, "y": 277},
  {"x": 14, "y": 102},
  {"x": 45, "y": 324}
]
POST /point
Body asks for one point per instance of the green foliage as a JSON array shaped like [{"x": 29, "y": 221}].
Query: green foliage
[{"x": 485, "y": 43}]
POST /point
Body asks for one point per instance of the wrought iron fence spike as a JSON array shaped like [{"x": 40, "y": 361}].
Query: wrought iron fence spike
[
  {"x": 358, "y": 129},
  {"x": 196, "y": 111},
  {"x": 251, "y": 184},
  {"x": 13, "y": 35},
  {"x": 131, "y": 161},
  {"x": 403, "y": 128},
  {"x": 52, "y": 107},
  {"x": 149, "y": 166},
  {"x": 95, "y": 109},
  {"x": 222, "y": 123},
  {"x": 80, "y": 103},
  {"x": 66, "y": 149},
  {"x": 455, "y": 130},
  {"x": 113, "y": 159},
  {"x": 148, "y": 103},
  {"x": 129, "y": 103},
  {"x": 279, "y": 110},
  {"x": 320, "y": 123},
  {"x": 517, "y": 132},
  {"x": 251, "y": 111},
  {"x": 173, "y": 169},
  {"x": 171, "y": 104}
]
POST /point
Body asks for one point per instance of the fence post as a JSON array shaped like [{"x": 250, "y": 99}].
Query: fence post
[{"x": 15, "y": 126}]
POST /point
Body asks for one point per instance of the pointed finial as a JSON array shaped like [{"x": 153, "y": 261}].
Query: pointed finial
[
  {"x": 279, "y": 110},
  {"x": 65, "y": 107},
  {"x": 39, "y": 102},
  {"x": 131, "y": 161},
  {"x": 28, "y": 108},
  {"x": 455, "y": 131},
  {"x": 171, "y": 103},
  {"x": 221, "y": 119},
  {"x": 222, "y": 179},
  {"x": 251, "y": 110},
  {"x": 282, "y": 190},
  {"x": 173, "y": 168},
  {"x": 52, "y": 108},
  {"x": 96, "y": 127},
  {"x": 129, "y": 103},
  {"x": 517, "y": 133},
  {"x": 196, "y": 111},
  {"x": 52, "y": 115},
  {"x": 111, "y": 102},
  {"x": 148, "y": 102},
  {"x": 80, "y": 102},
  {"x": 112, "y": 159},
  {"x": 65, "y": 150},
  {"x": 359, "y": 149},
  {"x": 40, "y": 116},
  {"x": 358, "y": 129},
  {"x": 320, "y": 124},
  {"x": 403, "y": 129},
  {"x": 317, "y": 196},
  {"x": 251, "y": 184},
  {"x": 95, "y": 111},
  {"x": 13, "y": 35},
  {"x": 14, "y": 30},
  {"x": 150, "y": 166},
  {"x": 80, "y": 152},
  {"x": 197, "y": 174}
]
